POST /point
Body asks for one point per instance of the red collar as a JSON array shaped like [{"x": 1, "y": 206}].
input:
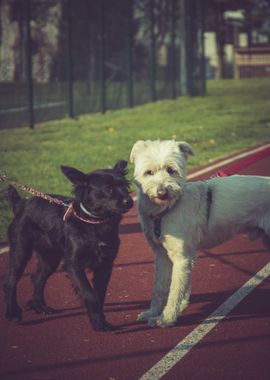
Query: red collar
[{"x": 71, "y": 211}]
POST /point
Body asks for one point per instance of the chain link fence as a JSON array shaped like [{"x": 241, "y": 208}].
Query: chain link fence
[{"x": 70, "y": 57}]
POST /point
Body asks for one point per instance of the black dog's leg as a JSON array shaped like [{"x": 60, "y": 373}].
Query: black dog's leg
[
  {"x": 48, "y": 263},
  {"x": 89, "y": 296},
  {"x": 101, "y": 279},
  {"x": 20, "y": 254}
]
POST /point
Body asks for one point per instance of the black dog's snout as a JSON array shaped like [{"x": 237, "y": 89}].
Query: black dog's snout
[
  {"x": 128, "y": 202},
  {"x": 163, "y": 194}
]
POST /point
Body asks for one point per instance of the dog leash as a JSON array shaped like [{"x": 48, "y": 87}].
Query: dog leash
[
  {"x": 70, "y": 206},
  {"x": 221, "y": 173}
]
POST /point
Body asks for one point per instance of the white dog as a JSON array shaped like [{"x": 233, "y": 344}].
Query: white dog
[{"x": 179, "y": 217}]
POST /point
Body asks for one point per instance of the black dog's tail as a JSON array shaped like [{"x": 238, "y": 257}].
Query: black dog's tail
[{"x": 15, "y": 199}]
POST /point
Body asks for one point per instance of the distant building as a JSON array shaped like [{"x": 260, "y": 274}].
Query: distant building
[{"x": 246, "y": 54}]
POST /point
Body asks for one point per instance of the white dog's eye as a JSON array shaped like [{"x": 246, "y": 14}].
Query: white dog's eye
[
  {"x": 171, "y": 170},
  {"x": 149, "y": 172}
]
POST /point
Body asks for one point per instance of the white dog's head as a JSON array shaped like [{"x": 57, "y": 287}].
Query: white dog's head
[{"x": 160, "y": 169}]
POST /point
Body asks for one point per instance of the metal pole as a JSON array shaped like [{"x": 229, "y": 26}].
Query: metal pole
[
  {"x": 190, "y": 45},
  {"x": 173, "y": 53},
  {"x": 29, "y": 71},
  {"x": 183, "y": 50},
  {"x": 130, "y": 55},
  {"x": 101, "y": 38},
  {"x": 186, "y": 67},
  {"x": 153, "y": 52},
  {"x": 69, "y": 60},
  {"x": 200, "y": 31}
]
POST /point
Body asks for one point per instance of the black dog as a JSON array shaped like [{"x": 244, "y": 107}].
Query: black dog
[{"x": 87, "y": 238}]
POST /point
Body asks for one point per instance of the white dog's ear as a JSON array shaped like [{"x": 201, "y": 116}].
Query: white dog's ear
[
  {"x": 137, "y": 147},
  {"x": 185, "y": 148}
]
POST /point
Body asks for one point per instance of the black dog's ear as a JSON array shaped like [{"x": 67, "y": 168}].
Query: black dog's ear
[
  {"x": 74, "y": 175},
  {"x": 121, "y": 167}
]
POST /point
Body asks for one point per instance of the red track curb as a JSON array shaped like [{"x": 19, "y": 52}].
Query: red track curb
[
  {"x": 247, "y": 161},
  {"x": 256, "y": 156}
]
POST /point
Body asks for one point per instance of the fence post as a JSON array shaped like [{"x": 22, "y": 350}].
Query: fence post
[
  {"x": 69, "y": 60},
  {"x": 173, "y": 54},
  {"x": 183, "y": 66},
  {"x": 29, "y": 69},
  {"x": 200, "y": 38},
  {"x": 153, "y": 51},
  {"x": 130, "y": 54},
  {"x": 186, "y": 64},
  {"x": 101, "y": 38}
]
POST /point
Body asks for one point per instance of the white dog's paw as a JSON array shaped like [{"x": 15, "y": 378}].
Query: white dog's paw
[
  {"x": 183, "y": 306},
  {"x": 146, "y": 315},
  {"x": 161, "y": 321}
]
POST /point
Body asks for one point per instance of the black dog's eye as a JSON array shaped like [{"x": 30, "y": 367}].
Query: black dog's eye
[
  {"x": 171, "y": 170},
  {"x": 149, "y": 172}
]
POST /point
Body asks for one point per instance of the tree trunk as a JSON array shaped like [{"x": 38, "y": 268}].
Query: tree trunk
[
  {"x": 220, "y": 42},
  {"x": 220, "y": 56}
]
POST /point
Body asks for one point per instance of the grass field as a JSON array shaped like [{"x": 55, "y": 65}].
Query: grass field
[{"x": 234, "y": 115}]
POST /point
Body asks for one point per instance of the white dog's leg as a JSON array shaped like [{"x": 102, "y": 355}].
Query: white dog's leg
[
  {"x": 185, "y": 301},
  {"x": 161, "y": 286},
  {"x": 178, "y": 294}
]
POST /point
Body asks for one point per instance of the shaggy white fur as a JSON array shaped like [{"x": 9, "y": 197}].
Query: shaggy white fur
[{"x": 178, "y": 217}]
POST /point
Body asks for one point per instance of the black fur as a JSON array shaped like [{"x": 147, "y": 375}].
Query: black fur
[{"x": 38, "y": 225}]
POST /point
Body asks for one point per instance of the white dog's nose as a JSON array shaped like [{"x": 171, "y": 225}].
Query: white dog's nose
[{"x": 163, "y": 194}]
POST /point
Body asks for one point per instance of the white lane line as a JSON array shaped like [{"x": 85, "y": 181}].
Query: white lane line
[
  {"x": 227, "y": 161},
  {"x": 4, "y": 250},
  {"x": 184, "y": 346}
]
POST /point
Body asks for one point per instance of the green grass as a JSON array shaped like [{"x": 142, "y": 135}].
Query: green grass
[{"x": 234, "y": 115}]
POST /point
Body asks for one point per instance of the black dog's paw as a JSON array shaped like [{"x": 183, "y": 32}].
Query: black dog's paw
[
  {"x": 100, "y": 324},
  {"x": 14, "y": 316},
  {"x": 109, "y": 327},
  {"x": 105, "y": 326},
  {"x": 41, "y": 308}
]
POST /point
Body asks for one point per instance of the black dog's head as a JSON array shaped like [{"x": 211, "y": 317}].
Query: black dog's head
[{"x": 101, "y": 193}]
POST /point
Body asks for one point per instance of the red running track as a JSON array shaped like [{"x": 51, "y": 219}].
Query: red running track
[{"x": 63, "y": 346}]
